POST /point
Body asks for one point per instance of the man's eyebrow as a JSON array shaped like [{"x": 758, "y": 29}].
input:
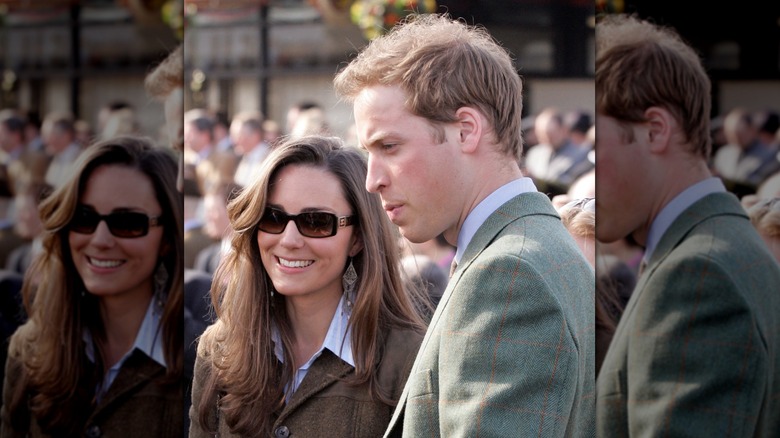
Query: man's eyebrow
[{"x": 378, "y": 138}]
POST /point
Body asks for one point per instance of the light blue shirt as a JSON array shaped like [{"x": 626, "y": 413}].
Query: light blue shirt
[
  {"x": 148, "y": 341},
  {"x": 488, "y": 206},
  {"x": 675, "y": 207},
  {"x": 337, "y": 340}
]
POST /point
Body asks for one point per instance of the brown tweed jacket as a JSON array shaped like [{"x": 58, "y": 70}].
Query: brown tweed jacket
[
  {"x": 136, "y": 404},
  {"x": 324, "y": 405}
]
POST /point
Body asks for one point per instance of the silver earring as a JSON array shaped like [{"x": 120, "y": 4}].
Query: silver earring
[{"x": 348, "y": 281}]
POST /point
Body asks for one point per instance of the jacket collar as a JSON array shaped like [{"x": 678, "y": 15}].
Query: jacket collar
[
  {"x": 715, "y": 204},
  {"x": 328, "y": 369}
]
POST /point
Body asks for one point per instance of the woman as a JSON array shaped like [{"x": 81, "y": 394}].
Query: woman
[
  {"x": 101, "y": 352},
  {"x": 315, "y": 332}
]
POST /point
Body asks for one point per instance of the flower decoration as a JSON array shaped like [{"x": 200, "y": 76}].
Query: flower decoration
[
  {"x": 377, "y": 17},
  {"x": 610, "y": 6}
]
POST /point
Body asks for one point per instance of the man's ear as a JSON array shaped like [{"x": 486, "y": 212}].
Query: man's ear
[
  {"x": 469, "y": 128},
  {"x": 660, "y": 125}
]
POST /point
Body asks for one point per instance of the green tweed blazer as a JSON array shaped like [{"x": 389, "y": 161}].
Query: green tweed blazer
[
  {"x": 510, "y": 349},
  {"x": 697, "y": 350}
]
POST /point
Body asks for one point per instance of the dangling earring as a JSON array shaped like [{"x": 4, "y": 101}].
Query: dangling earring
[{"x": 348, "y": 281}]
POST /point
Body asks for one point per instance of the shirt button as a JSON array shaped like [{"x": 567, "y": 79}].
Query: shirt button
[
  {"x": 93, "y": 431},
  {"x": 282, "y": 432}
]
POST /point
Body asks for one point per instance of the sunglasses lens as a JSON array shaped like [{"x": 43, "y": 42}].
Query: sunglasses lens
[
  {"x": 316, "y": 224},
  {"x": 273, "y": 221},
  {"x": 84, "y": 221},
  {"x": 121, "y": 224},
  {"x": 128, "y": 224}
]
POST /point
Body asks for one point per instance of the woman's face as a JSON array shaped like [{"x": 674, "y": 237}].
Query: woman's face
[
  {"x": 303, "y": 267},
  {"x": 112, "y": 266}
]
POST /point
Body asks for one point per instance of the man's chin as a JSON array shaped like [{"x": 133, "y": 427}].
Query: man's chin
[{"x": 414, "y": 236}]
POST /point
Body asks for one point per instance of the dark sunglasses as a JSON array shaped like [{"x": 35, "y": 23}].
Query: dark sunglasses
[
  {"x": 120, "y": 223},
  {"x": 315, "y": 224}
]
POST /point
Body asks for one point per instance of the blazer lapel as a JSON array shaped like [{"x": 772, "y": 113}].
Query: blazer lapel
[
  {"x": 716, "y": 204},
  {"x": 137, "y": 370},
  {"x": 325, "y": 371},
  {"x": 523, "y": 205}
]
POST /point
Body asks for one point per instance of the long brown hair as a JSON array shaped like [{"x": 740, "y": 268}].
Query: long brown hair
[
  {"x": 58, "y": 376},
  {"x": 246, "y": 377}
]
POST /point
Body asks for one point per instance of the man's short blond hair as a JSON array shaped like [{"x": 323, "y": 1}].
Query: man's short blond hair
[
  {"x": 640, "y": 65},
  {"x": 443, "y": 65}
]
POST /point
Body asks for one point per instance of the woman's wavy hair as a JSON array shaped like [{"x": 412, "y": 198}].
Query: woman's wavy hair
[
  {"x": 246, "y": 383},
  {"x": 59, "y": 378}
]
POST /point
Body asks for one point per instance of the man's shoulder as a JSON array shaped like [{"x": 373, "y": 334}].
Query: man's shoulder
[{"x": 725, "y": 248}]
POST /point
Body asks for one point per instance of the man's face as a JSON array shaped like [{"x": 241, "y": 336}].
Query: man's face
[
  {"x": 549, "y": 131},
  {"x": 56, "y": 140},
  {"x": 413, "y": 173},
  {"x": 621, "y": 188},
  {"x": 247, "y": 139},
  {"x": 194, "y": 139}
]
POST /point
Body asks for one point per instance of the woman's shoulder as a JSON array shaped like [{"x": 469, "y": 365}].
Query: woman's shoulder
[
  {"x": 21, "y": 339},
  {"x": 208, "y": 340},
  {"x": 403, "y": 342}
]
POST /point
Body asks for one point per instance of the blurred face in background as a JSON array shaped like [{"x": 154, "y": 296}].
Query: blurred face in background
[{"x": 217, "y": 224}]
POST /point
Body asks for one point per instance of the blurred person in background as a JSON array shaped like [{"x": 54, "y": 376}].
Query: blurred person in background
[
  {"x": 252, "y": 148},
  {"x": 579, "y": 218},
  {"x": 578, "y": 123},
  {"x": 744, "y": 162},
  {"x": 556, "y": 162},
  {"x": 27, "y": 222},
  {"x": 765, "y": 216},
  {"x": 59, "y": 136},
  {"x": 216, "y": 223}
]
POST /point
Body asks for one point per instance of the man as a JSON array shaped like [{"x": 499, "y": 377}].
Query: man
[
  {"x": 510, "y": 347},
  {"x": 59, "y": 136},
  {"x": 202, "y": 160},
  {"x": 252, "y": 147},
  {"x": 697, "y": 349}
]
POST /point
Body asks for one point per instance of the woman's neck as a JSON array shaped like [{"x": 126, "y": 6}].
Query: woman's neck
[
  {"x": 122, "y": 318},
  {"x": 310, "y": 320}
]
